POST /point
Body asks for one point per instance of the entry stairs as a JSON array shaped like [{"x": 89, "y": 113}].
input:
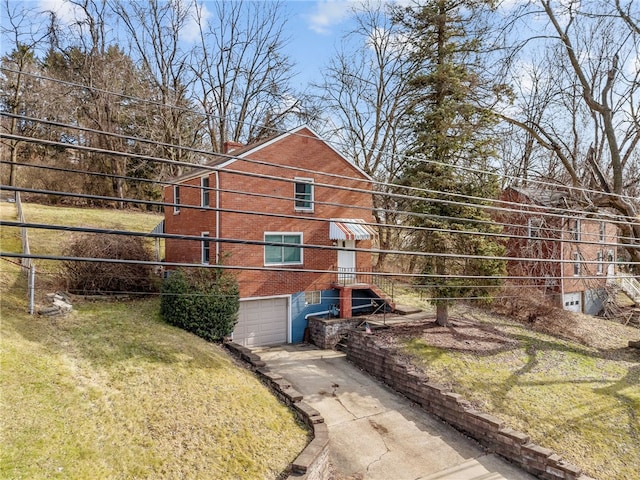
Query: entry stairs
[{"x": 631, "y": 286}]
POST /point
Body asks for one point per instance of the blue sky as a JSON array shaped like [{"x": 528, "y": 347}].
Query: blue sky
[{"x": 315, "y": 28}]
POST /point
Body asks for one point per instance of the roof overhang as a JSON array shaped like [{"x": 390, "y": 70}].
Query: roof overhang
[{"x": 350, "y": 229}]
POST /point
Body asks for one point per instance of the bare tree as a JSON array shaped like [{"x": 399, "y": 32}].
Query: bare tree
[
  {"x": 591, "y": 124},
  {"x": 18, "y": 85},
  {"x": 242, "y": 73},
  {"x": 366, "y": 92},
  {"x": 156, "y": 29}
]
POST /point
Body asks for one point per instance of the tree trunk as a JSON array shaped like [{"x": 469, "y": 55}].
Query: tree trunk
[
  {"x": 442, "y": 314},
  {"x": 442, "y": 306}
]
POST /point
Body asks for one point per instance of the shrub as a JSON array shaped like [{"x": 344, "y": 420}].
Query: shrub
[
  {"x": 204, "y": 301},
  {"x": 87, "y": 277},
  {"x": 523, "y": 304}
]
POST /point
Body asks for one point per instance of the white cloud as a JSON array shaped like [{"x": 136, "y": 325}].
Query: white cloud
[
  {"x": 190, "y": 32},
  {"x": 66, "y": 12},
  {"x": 507, "y": 5},
  {"x": 328, "y": 13}
]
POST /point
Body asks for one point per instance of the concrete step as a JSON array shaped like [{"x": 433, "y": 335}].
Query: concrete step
[
  {"x": 469, "y": 470},
  {"x": 406, "y": 309}
]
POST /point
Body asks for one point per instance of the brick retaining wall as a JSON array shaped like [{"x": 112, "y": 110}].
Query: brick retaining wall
[
  {"x": 313, "y": 462},
  {"x": 379, "y": 361}
]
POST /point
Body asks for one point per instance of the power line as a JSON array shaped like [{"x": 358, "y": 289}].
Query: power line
[
  {"x": 483, "y": 202},
  {"x": 305, "y": 218},
  {"x": 617, "y": 218},
  {"x": 276, "y": 131},
  {"x": 292, "y": 269}
]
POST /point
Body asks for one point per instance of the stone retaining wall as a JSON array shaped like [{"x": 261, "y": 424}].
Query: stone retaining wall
[
  {"x": 490, "y": 431},
  {"x": 313, "y": 462},
  {"x": 327, "y": 332}
]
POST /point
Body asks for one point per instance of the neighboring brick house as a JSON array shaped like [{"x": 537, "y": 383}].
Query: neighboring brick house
[
  {"x": 293, "y": 189},
  {"x": 573, "y": 254}
]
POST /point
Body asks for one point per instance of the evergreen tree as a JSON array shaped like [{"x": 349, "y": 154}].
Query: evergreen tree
[{"x": 451, "y": 120}]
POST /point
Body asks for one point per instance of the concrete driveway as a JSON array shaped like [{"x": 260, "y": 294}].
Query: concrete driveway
[{"x": 375, "y": 433}]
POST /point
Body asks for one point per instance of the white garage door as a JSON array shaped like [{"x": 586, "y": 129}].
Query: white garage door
[
  {"x": 262, "y": 322},
  {"x": 573, "y": 301}
]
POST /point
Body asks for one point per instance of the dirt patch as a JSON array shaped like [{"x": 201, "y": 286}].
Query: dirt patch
[
  {"x": 477, "y": 331},
  {"x": 462, "y": 335}
]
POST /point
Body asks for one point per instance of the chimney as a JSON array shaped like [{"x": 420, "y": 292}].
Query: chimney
[{"x": 230, "y": 146}]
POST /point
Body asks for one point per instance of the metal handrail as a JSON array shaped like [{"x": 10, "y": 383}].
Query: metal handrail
[
  {"x": 629, "y": 285},
  {"x": 350, "y": 276}
]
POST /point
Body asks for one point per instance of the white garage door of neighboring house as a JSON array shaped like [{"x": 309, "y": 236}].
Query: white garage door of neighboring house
[
  {"x": 262, "y": 322},
  {"x": 573, "y": 301}
]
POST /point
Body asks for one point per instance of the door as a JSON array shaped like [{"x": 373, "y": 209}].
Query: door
[
  {"x": 346, "y": 262},
  {"x": 573, "y": 302},
  {"x": 262, "y": 322}
]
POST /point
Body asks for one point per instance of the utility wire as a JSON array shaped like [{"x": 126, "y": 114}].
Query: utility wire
[
  {"x": 289, "y": 270},
  {"x": 620, "y": 218},
  {"x": 482, "y": 201},
  {"x": 503, "y": 235},
  {"x": 275, "y": 131},
  {"x": 237, "y": 241}
]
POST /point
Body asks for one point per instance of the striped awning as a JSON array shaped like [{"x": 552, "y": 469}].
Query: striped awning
[{"x": 350, "y": 229}]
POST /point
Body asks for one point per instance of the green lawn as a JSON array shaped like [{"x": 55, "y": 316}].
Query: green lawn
[
  {"x": 111, "y": 391},
  {"x": 52, "y": 242},
  {"x": 581, "y": 401}
]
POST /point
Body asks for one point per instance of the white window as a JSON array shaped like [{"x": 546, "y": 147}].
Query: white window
[
  {"x": 575, "y": 229},
  {"x": 303, "y": 194},
  {"x": 288, "y": 251},
  {"x": 205, "y": 248},
  {"x": 600, "y": 264},
  {"x": 577, "y": 263},
  {"x": 204, "y": 185},
  {"x": 535, "y": 226},
  {"x": 313, "y": 297},
  {"x": 176, "y": 198}
]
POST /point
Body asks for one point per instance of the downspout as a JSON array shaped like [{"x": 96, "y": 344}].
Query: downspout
[
  {"x": 217, "y": 217},
  {"x": 563, "y": 264}
]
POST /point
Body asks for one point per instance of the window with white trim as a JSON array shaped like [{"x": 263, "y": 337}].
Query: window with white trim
[
  {"x": 577, "y": 263},
  {"x": 288, "y": 252},
  {"x": 600, "y": 264},
  {"x": 603, "y": 231},
  {"x": 313, "y": 297},
  {"x": 176, "y": 199},
  {"x": 204, "y": 185},
  {"x": 535, "y": 226},
  {"x": 303, "y": 194},
  {"x": 205, "y": 248},
  {"x": 575, "y": 229}
]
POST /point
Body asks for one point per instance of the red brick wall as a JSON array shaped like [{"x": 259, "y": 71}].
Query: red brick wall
[
  {"x": 520, "y": 246},
  {"x": 192, "y": 220},
  {"x": 297, "y": 151},
  {"x": 588, "y": 247},
  {"x": 556, "y": 244}
]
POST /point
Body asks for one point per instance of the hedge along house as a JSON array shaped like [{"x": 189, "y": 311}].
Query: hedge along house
[
  {"x": 260, "y": 205},
  {"x": 573, "y": 255}
]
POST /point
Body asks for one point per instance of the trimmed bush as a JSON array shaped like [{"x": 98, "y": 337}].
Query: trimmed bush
[{"x": 203, "y": 301}]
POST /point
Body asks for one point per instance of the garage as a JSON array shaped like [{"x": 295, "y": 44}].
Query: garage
[
  {"x": 573, "y": 301},
  {"x": 262, "y": 322}
]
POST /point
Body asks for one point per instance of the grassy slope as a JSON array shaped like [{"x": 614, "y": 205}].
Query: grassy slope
[
  {"x": 110, "y": 391},
  {"x": 581, "y": 401}
]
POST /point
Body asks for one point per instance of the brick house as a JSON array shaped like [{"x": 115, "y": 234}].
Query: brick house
[
  {"x": 572, "y": 254},
  {"x": 286, "y": 215}
]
